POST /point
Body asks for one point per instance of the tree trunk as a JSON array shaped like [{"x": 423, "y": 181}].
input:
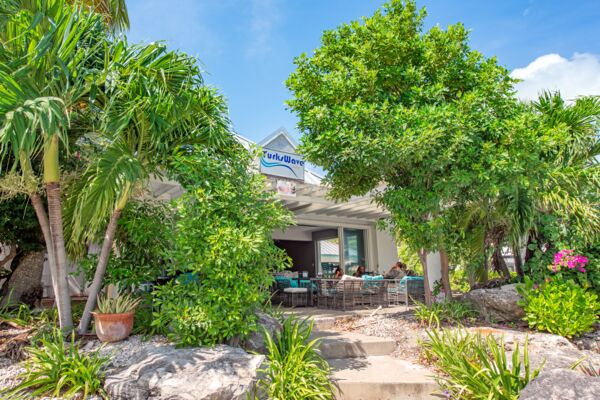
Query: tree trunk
[
  {"x": 96, "y": 285},
  {"x": 63, "y": 294},
  {"x": 423, "y": 258},
  {"x": 42, "y": 217},
  {"x": 446, "y": 275},
  {"x": 528, "y": 252},
  {"x": 498, "y": 262},
  {"x": 518, "y": 261},
  {"x": 484, "y": 272}
]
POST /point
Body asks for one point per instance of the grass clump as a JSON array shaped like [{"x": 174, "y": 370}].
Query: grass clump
[
  {"x": 294, "y": 370},
  {"x": 474, "y": 367},
  {"x": 447, "y": 311},
  {"x": 60, "y": 369}
]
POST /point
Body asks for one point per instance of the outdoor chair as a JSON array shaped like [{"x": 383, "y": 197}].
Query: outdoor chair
[{"x": 406, "y": 290}]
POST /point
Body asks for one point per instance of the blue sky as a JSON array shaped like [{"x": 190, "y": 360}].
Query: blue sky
[{"x": 247, "y": 47}]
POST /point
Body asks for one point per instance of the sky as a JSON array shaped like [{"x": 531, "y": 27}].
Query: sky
[{"x": 246, "y": 47}]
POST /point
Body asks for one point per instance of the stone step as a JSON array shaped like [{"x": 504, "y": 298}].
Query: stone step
[
  {"x": 381, "y": 378},
  {"x": 339, "y": 345}
]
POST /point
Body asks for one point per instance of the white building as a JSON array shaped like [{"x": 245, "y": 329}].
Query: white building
[{"x": 327, "y": 233}]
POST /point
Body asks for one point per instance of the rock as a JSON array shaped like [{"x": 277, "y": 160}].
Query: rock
[
  {"x": 589, "y": 340},
  {"x": 554, "y": 351},
  {"x": 25, "y": 283},
  {"x": 498, "y": 304},
  {"x": 218, "y": 373},
  {"x": 255, "y": 342},
  {"x": 562, "y": 384}
]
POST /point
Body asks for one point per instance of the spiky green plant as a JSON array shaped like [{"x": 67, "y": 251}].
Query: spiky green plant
[
  {"x": 478, "y": 368},
  {"x": 59, "y": 369},
  {"x": 121, "y": 304},
  {"x": 294, "y": 370}
]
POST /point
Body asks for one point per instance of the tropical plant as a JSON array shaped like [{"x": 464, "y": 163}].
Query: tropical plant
[
  {"x": 223, "y": 252},
  {"x": 122, "y": 303},
  {"x": 559, "y": 306},
  {"x": 155, "y": 102},
  {"x": 47, "y": 53},
  {"x": 60, "y": 370},
  {"x": 294, "y": 369},
  {"x": 445, "y": 311},
  {"x": 474, "y": 367}
]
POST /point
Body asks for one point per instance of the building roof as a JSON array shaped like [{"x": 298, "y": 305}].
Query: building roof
[{"x": 310, "y": 202}]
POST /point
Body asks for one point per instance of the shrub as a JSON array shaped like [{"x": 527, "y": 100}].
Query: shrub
[
  {"x": 223, "y": 254},
  {"x": 448, "y": 311},
  {"x": 560, "y": 307},
  {"x": 294, "y": 369},
  {"x": 60, "y": 370},
  {"x": 474, "y": 367},
  {"x": 143, "y": 240}
]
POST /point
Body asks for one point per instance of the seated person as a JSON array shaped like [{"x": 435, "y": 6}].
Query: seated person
[
  {"x": 360, "y": 271},
  {"x": 339, "y": 272},
  {"x": 398, "y": 271}
]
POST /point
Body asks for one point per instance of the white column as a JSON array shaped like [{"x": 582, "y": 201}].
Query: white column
[{"x": 434, "y": 268}]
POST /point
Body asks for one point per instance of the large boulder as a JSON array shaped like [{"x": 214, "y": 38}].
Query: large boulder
[
  {"x": 255, "y": 342},
  {"x": 164, "y": 372},
  {"x": 25, "y": 282},
  {"x": 562, "y": 384},
  {"x": 497, "y": 304}
]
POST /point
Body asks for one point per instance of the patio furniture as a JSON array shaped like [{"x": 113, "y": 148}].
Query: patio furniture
[
  {"x": 295, "y": 296},
  {"x": 348, "y": 294},
  {"x": 406, "y": 290}
]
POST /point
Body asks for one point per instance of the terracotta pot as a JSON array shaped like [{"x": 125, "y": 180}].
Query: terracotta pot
[{"x": 113, "y": 327}]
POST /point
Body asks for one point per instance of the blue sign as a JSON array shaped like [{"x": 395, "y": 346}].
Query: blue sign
[{"x": 279, "y": 163}]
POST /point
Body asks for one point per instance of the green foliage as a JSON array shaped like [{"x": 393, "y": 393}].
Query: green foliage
[
  {"x": 18, "y": 224},
  {"x": 473, "y": 367},
  {"x": 560, "y": 307},
  {"x": 466, "y": 166},
  {"x": 446, "y": 311},
  {"x": 223, "y": 248},
  {"x": 294, "y": 370},
  {"x": 123, "y": 303},
  {"x": 60, "y": 370},
  {"x": 382, "y": 100},
  {"x": 410, "y": 257},
  {"x": 554, "y": 234},
  {"x": 143, "y": 241}
]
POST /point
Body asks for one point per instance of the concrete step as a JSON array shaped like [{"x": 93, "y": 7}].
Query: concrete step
[
  {"x": 337, "y": 345},
  {"x": 381, "y": 378}
]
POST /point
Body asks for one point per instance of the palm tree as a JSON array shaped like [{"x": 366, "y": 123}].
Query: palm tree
[
  {"x": 156, "y": 103},
  {"x": 43, "y": 71},
  {"x": 566, "y": 182}
]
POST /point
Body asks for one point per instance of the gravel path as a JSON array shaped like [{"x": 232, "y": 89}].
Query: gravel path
[{"x": 402, "y": 327}]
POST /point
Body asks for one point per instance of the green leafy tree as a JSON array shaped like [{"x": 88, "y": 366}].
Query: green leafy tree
[
  {"x": 224, "y": 254},
  {"x": 417, "y": 117}
]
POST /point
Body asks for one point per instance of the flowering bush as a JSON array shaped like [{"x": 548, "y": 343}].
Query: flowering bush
[{"x": 568, "y": 259}]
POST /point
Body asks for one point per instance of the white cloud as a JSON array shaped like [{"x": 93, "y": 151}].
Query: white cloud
[
  {"x": 265, "y": 18},
  {"x": 578, "y": 76}
]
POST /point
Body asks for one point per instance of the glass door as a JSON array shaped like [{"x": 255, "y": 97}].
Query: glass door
[
  {"x": 355, "y": 254},
  {"x": 328, "y": 256}
]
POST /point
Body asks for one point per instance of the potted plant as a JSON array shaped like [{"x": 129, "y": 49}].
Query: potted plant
[{"x": 114, "y": 317}]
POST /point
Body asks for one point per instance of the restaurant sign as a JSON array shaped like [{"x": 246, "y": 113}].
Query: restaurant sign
[{"x": 282, "y": 164}]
